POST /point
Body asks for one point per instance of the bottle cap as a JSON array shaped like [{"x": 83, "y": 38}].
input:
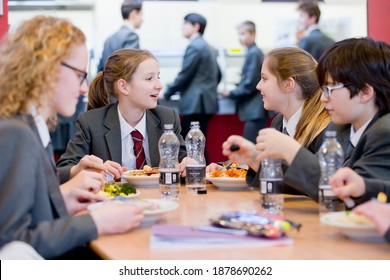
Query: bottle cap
[{"x": 168, "y": 126}]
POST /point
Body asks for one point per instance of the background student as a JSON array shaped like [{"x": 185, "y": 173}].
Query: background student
[
  {"x": 313, "y": 40},
  {"x": 42, "y": 73},
  {"x": 125, "y": 37},
  {"x": 108, "y": 131},
  {"x": 249, "y": 102},
  {"x": 198, "y": 79}
]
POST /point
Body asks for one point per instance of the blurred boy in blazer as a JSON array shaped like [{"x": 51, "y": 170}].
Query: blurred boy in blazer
[
  {"x": 248, "y": 99},
  {"x": 198, "y": 79},
  {"x": 125, "y": 37}
]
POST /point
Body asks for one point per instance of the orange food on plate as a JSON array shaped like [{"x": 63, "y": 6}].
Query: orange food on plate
[{"x": 231, "y": 173}]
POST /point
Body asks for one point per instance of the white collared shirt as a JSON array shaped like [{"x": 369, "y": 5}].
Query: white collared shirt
[
  {"x": 355, "y": 136},
  {"x": 41, "y": 125},
  {"x": 291, "y": 124},
  {"x": 128, "y": 157}
]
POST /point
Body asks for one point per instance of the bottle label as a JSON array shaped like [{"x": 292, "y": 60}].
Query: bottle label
[
  {"x": 169, "y": 177},
  {"x": 326, "y": 190},
  {"x": 197, "y": 171},
  {"x": 271, "y": 186}
]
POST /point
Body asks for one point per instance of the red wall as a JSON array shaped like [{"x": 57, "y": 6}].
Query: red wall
[
  {"x": 4, "y": 19},
  {"x": 378, "y": 12}
]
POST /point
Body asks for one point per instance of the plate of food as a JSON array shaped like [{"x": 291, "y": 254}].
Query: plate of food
[
  {"x": 147, "y": 177},
  {"x": 353, "y": 226},
  {"x": 153, "y": 208},
  {"x": 232, "y": 179},
  {"x": 114, "y": 189}
]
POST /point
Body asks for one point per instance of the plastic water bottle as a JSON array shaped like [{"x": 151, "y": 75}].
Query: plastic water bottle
[
  {"x": 271, "y": 182},
  {"x": 196, "y": 170},
  {"x": 169, "y": 146},
  {"x": 331, "y": 158}
]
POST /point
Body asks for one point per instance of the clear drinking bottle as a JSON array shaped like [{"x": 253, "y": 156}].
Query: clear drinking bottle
[
  {"x": 271, "y": 182},
  {"x": 169, "y": 146},
  {"x": 331, "y": 158},
  {"x": 196, "y": 169}
]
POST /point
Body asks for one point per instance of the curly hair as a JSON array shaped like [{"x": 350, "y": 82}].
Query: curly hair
[
  {"x": 30, "y": 62},
  {"x": 301, "y": 66}
]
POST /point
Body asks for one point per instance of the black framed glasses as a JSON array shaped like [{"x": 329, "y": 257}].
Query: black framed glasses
[
  {"x": 82, "y": 74},
  {"x": 327, "y": 90}
]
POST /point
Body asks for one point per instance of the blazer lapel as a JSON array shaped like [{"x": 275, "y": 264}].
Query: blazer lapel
[
  {"x": 277, "y": 122},
  {"x": 154, "y": 132},
  {"x": 52, "y": 178},
  {"x": 113, "y": 134}
]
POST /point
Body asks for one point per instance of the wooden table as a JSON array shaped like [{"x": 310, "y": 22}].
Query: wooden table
[{"x": 314, "y": 241}]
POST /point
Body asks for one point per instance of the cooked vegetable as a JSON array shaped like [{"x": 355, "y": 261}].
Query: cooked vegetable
[{"x": 114, "y": 189}]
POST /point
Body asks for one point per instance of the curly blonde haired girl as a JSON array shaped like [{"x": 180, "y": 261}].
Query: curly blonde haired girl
[{"x": 30, "y": 61}]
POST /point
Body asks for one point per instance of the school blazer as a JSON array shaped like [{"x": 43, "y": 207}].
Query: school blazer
[
  {"x": 291, "y": 183},
  {"x": 32, "y": 209},
  {"x": 315, "y": 43},
  {"x": 197, "y": 81},
  {"x": 370, "y": 158},
  {"x": 248, "y": 99},
  {"x": 124, "y": 38}
]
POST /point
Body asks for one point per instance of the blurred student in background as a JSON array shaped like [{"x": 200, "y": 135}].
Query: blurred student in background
[
  {"x": 42, "y": 73},
  {"x": 125, "y": 37},
  {"x": 249, "y": 102},
  {"x": 108, "y": 130},
  {"x": 289, "y": 86},
  {"x": 313, "y": 40},
  {"x": 198, "y": 79}
]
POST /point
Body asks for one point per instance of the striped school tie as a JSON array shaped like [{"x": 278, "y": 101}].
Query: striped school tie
[{"x": 139, "y": 152}]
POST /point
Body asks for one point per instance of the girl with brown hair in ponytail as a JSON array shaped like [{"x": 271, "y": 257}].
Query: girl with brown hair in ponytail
[{"x": 288, "y": 85}]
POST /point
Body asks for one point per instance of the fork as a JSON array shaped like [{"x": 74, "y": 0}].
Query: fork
[{"x": 109, "y": 177}]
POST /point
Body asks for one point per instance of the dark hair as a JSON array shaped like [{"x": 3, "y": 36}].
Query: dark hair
[
  {"x": 248, "y": 25},
  {"x": 128, "y": 6},
  {"x": 120, "y": 65},
  {"x": 358, "y": 62},
  {"x": 311, "y": 9},
  {"x": 197, "y": 18}
]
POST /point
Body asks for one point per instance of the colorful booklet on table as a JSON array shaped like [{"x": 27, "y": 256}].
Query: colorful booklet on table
[{"x": 174, "y": 235}]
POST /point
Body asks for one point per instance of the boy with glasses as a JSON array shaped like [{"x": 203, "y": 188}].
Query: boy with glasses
[{"x": 355, "y": 74}]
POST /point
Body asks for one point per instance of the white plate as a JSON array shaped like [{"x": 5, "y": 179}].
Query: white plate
[
  {"x": 142, "y": 181},
  {"x": 151, "y": 216},
  {"x": 226, "y": 183},
  {"x": 353, "y": 230}
]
